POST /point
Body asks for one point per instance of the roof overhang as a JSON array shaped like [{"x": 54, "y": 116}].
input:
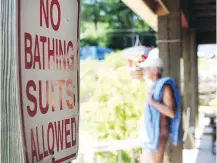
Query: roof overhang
[
  {"x": 149, "y": 11},
  {"x": 144, "y": 11}
]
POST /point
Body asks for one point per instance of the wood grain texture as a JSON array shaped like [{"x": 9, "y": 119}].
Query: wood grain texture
[
  {"x": 195, "y": 78},
  {"x": 190, "y": 80},
  {"x": 169, "y": 29},
  {"x": 11, "y": 137}
]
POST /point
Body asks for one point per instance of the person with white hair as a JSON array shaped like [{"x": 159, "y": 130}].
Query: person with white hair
[{"x": 162, "y": 114}]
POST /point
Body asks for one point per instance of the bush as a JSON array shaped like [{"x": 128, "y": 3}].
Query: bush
[
  {"x": 127, "y": 39},
  {"x": 117, "y": 41},
  {"x": 93, "y": 41},
  {"x": 112, "y": 102}
]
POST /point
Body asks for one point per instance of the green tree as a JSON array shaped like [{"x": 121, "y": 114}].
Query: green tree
[
  {"x": 111, "y": 101},
  {"x": 121, "y": 24}
]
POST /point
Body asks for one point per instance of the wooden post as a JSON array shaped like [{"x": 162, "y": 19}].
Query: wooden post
[
  {"x": 187, "y": 93},
  {"x": 169, "y": 36},
  {"x": 11, "y": 139},
  {"x": 194, "y": 69},
  {"x": 190, "y": 94},
  {"x": 194, "y": 77}
]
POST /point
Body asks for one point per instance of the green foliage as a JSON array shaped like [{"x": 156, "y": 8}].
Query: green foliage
[
  {"x": 93, "y": 41},
  {"x": 127, "y": 39},
  {"x": 89, "y": 42},
  {"x": 111, "y": 101},
  {"x": 110, "y": 23}
]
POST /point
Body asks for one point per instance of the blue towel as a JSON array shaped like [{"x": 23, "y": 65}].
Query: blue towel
[{"x": 152, "y": 116}]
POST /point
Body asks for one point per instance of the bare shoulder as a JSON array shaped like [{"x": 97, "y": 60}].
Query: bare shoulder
[
  {"x": 168, "y": 99},
  {"x": 168, "y": 96},
  {"x": 168, "y": 90}
]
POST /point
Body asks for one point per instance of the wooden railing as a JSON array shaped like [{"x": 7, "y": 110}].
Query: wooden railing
[
  {"x": 108, "y": 147},
  {"x": 122, "y": 145}
]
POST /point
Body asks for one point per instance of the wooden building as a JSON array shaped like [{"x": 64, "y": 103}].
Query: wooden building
[{"x": 181, "y": 26}]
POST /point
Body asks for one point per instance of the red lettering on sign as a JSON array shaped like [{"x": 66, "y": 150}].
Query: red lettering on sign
[
  {"x": 35, "y": 94},
  {"x": 44, "y": 149},
  {"x": 33, "y": 147},
  {"x": 50, "y": 52},
  {"x": 73, "y": 129},
  {"x": 28, "y": 50},
  {"x": 31, "y": 98},
  {"x": 70, "y": 45},
  {"x": 43, "y": 39},
  {"x": 48, "y": 79},
  {"x": 44, "y": 110},
  {"x": 36, "y": 54},
  {"x": 40, "y": 154},
  {"x": 57, "y": 54},
  {"x": 44, "y": 12},
  {"x": 48, "y": 10},
  {"x": 50, "y": 133},
  {"x": 60, "y": 53},
  {"x": 52, "y": 96},
  {"x": 69, "y": 92},
  {"x": 67, "y": 132},
  {"x": 57, "y": 25},
  {"x": 59, "y": 135}
]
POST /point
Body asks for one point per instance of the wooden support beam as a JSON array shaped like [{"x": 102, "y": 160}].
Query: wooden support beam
[
  {"x": 194, "y": 78},
  {"x": 144, "y": 11},
  {"x": 169, "y": 28},
  {"x": 161, "y": 8},
  {"x": 190, "y": 93},
  {"x": 158, "y": 7},
  {"x": 149, "y": 10},
  {"x": 190, "y": 72},
  {"x": 11, "y": 139}
]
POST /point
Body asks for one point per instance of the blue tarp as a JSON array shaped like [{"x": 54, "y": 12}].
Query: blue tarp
[{"x": 94, "y": 52}]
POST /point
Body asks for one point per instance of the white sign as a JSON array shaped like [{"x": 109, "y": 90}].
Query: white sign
[{"x": 48, "y": 59}]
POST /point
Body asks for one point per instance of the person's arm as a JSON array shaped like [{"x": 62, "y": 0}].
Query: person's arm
[{"x": 168, "y": 106}]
